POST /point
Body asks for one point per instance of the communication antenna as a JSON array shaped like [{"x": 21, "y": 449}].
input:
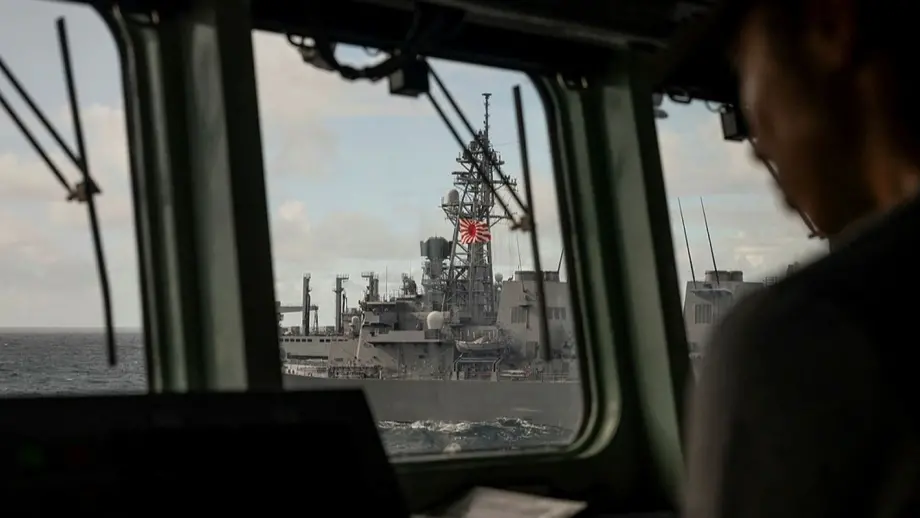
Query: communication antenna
[
  {"x": 709, "y": 237},
  {"x": 687, "y": 241},
  {"x": 517, "y": 243}
]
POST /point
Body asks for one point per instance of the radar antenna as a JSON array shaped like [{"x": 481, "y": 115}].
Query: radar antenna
[
  {"x": 709, "y": 237},
  {"x": 471, "y": 208},
  {"x": 687, "y": 241}
]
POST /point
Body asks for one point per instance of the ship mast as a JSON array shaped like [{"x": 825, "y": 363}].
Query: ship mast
[{"x": 470, "y": 292}]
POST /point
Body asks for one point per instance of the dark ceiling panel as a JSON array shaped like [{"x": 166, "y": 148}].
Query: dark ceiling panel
[
  {"x": 542, "y": 36},
  {"x": 535, "y": 35}
]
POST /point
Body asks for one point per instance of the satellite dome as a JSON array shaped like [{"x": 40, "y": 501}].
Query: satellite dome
[
  {"x": 435, "y": 320},
  {"x": 453, "y": 448},
  {"x": 355, "y": 322},
  {"x": 499, "y": 277},
  {"x": 453, "y": 197}
]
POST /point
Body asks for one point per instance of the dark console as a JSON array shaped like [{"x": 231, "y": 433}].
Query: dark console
[{"x": 316, "y": 453}]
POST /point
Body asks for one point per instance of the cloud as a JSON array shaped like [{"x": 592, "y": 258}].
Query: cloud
[
  {"x": 46, "y": 259},
  {"x": 325, "y": 244},
  {"x": 698, "y": 162},
  {"x": 343, "y": 235},
  {"x": 46, "y": 255},
  {"x": 296, "y": 100},
  {"x": 23, "y": 238},
  {"x": 44, "y": 282},
  {"x": 751, "y": 229},
  {"x": 322, "y": 240},
  {"x": 756, "y": 240},
  {"x": 291, "y": 91},
  {"x": 26, "y": 179},
  {"x": 45, "y": 241}
]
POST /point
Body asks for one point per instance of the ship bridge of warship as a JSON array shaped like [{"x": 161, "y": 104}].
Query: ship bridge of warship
[{"x": 217, "y": 428}]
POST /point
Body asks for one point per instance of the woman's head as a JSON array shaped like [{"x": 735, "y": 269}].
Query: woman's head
[{"x": 828, "y": 96}]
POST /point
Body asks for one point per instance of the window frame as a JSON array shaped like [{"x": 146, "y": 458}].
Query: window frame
[{"x": 206, "y": 327}]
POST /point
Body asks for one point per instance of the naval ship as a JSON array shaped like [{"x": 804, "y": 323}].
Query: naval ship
[
  {"x": 462, "y": 346},
  {"x": 708, "y": 300}
]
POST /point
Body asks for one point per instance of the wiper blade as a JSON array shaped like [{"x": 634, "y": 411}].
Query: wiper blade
[{"x": 84, "y": 191}]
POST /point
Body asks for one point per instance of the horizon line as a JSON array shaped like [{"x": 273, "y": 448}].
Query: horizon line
[{"x": 67, "y": 328}]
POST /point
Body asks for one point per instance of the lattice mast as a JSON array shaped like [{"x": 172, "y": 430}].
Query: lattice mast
[{"x": 470, "y": 294}]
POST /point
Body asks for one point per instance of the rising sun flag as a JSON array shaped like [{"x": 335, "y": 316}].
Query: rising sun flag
[{"x": 474, "y": 231}]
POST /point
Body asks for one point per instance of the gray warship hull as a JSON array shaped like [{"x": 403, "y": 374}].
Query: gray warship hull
[{"x": 543, "y": 403}]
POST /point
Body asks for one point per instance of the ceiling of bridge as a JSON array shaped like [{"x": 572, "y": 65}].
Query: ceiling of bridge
[
  {"x": 549, "y": 36},
  {"x": 538, "y": 35}
]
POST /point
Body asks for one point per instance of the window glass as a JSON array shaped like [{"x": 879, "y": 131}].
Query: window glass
[
  {"x": 725, "y": 205},
  {"x": 396, "y": 267},
  {"x": 51, "y": 322}
]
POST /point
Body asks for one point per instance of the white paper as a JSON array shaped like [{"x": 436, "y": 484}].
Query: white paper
[{"x": 484, "y": 502}]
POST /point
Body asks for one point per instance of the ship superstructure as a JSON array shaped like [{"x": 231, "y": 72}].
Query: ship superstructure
[
  {"x": 470, "y": 290},
  {"x": 462, "y": 321},
  {"x": 707, "y": 301},
  {"x": 463, "y": 343}
]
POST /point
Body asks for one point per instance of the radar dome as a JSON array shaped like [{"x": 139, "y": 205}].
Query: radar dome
[
  {"x": 355, "y": 322},
  {"x": 453, "y": 197},
  {"x": 435, "y": 320},
  {"x": 499, "y": 277},
  {"x": 453, "y": 448}
]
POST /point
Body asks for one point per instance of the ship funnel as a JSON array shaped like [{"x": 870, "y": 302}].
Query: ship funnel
[
  {"x": 305, "y": 306},
  {"x": 339, "y": 302},
  {"x": 435, "y": 320}
]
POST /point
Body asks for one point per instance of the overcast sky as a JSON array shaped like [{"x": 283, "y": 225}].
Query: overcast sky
[{"x": 354, "y": 177}]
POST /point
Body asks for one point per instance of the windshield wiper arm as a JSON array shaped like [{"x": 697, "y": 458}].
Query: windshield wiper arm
[{"x": 85, "y": 190}]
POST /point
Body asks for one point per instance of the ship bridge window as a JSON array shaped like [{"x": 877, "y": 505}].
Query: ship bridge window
[
  {"x": 358, "y": 182},
  {"x": 723, "y": 216},
  {"x": 415, "y": 198},
  {"x": 49, "y": 286}
]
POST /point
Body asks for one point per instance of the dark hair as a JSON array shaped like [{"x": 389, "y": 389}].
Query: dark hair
[{"x": 885, "y": 36}]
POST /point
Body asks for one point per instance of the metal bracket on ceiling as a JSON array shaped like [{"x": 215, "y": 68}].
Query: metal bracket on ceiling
[
  {"x": 573, "y": 81},
  {"x": 429, "y": 24}
]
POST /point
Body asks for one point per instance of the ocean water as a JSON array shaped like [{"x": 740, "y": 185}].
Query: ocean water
[{"x": 46, "y": 362}]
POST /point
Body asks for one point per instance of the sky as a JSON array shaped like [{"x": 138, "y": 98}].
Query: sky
[{"x": 354, "y": 178}]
